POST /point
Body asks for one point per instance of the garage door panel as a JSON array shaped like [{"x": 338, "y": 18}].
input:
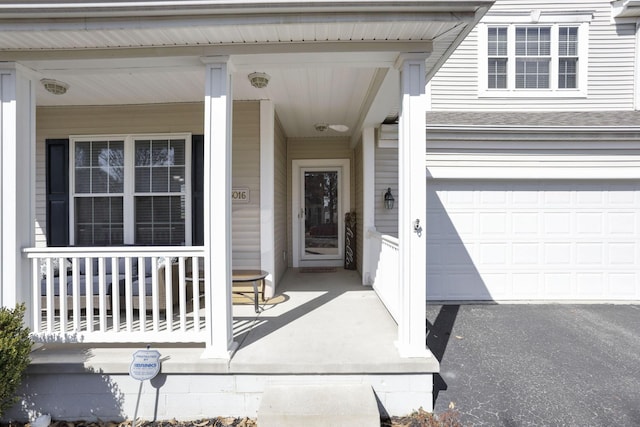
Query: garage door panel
[
  {"x": 623, "y": 286},
  {"x": 462, "y": 285},
  {"x": 512, "y": 240},
  {"x": 526, "y": 285},
  {"x": 621, "y": 254}
]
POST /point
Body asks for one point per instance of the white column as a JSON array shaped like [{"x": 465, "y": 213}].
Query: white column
[
  {"x": 412, "y": 206},
  {"x": 636, "y": 74},
  {"x": 17, "y": 177},
  {"x": 217, "y": 207},
  {"x": 267, "y": 194},
  {"x": 368, "y": 200}
]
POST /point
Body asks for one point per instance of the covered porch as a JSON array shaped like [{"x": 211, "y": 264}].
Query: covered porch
[{"x": 322, "y": 328}]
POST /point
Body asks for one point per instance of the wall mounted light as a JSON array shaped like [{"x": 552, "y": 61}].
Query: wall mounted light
[
  {"x": 388, "y": 199},
  {"x": 55, "y": 87},
  {"x": 259, "y": 80}
]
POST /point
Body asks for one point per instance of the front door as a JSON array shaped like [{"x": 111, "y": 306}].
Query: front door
[{"x": 321, "y": 202}]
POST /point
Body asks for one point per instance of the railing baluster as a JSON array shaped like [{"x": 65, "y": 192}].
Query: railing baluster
[
  {"x": 88, "y": 293},
  {"x": 62, "y": 291},
  {"x": 115, "y": 293},
  {"x": 128, "y": 274},
  {"x": 75, "y": 289},
  {"x": 195, "y": 271},
  {"x": 102, "y": 285},
  {"x": 182, "y": 294},
  {"x": 37, "y": 295},
  {"x": 168, "y": 287},
  {"x": 154, "y": 294},
  {"x": 142, "y": 304},
  {"x": 51, "y": 309}
]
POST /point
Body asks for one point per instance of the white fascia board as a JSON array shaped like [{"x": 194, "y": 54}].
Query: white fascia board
[
  {"x": 51, "y": 9},
  {"x": 544, "y": 17}
]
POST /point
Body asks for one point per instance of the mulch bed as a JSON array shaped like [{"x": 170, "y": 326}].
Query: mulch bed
[{"x": 417, "y": 419}]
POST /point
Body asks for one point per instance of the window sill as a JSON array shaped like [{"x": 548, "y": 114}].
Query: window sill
[{"x": 536, "y": 94}]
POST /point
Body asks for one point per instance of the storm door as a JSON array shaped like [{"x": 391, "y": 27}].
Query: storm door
[{"x": 320, "y": 216}]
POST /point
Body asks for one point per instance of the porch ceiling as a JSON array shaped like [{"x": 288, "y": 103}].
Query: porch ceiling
[{"x": 328, "y": 60}]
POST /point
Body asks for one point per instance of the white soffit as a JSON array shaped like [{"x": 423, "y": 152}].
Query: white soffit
[{"x": 323, "y": 56}]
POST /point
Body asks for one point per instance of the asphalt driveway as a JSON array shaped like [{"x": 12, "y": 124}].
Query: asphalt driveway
[{"x": 538, "y": 365}]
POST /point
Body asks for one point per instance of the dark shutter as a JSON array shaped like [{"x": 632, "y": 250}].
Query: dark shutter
[
  {"x": 57, "y": 162},
  {"x": 197, "y": 189}
]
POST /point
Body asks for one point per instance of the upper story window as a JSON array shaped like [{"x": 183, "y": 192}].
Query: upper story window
[
  {"x": 543, "y": 59},
  {"x": 130, "y": 190}
]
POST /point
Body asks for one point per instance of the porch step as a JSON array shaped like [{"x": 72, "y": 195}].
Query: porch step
[{"x": 318, "y": 406}]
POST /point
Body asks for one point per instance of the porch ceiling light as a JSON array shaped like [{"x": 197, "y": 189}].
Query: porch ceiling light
[
  {"x": 259, "y": 80},
  {"x": 388, "y": 199},
  {"x": 54, "y": 86}
]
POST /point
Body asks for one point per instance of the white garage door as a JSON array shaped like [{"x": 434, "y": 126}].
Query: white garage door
[{"x": 533, "y": 240}]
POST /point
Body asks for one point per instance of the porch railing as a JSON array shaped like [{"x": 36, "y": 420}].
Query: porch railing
[
  {"x": 385, "y": 263},
  {"x": 118, "y": 294}
]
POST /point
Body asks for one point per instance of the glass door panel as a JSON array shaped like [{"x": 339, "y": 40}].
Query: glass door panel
[{"x": 321, "y": 214}]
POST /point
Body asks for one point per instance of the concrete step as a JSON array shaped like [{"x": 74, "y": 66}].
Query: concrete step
[{"x": 318, "y": 406}]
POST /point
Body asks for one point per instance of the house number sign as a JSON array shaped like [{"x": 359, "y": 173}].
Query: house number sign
[
  {"x": 240, "y": 195},
  {"x": 145, "y": 365}
]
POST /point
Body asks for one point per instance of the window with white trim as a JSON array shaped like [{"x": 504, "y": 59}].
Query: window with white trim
[
  {"x": 528, "y": 60},
  {"x": 131, "y": 189}
]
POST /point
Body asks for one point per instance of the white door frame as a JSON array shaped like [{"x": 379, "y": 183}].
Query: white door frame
[{"x": 297, "y": 166}]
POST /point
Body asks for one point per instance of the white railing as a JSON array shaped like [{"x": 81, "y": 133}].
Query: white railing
[
  {"x": 118, "y": 294},
  {"x": 384, "y": 265}
]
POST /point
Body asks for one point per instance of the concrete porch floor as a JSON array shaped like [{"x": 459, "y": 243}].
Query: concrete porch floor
[{"x": 328, "y": 323}]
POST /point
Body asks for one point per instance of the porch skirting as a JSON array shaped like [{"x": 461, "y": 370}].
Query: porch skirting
[{"x": 188, "y": 388}]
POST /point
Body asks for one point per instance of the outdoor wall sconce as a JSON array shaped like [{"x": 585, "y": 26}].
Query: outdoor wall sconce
[{"x": 388, "y": 199}]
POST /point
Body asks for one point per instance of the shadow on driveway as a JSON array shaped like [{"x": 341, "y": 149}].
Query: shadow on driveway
[
  {"x": 537, "y": 365},
  {"x": 438, "y": 335}
]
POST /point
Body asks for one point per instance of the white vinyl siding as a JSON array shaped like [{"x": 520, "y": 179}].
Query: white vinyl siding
[
  {"x": 246, "y": 174},
  {"x": 611, "y": 57},
  {"x": 386, "y": 167}
]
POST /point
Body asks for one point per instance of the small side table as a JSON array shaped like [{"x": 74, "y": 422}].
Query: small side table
[{"x": 253, "y": 276}]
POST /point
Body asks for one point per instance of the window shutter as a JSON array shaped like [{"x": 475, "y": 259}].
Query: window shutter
[
  {"x": 57, "y": 174},
  {"x": 197, "y": 189}
]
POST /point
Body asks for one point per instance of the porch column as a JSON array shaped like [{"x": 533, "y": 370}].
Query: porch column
[
  {"x": 412, "y": 204},
  {"x": 17, "y": 177},
  {"x": 267, "y": 194},
  {"x": 217, "y": 207},
  {"x": 368, "y": 200}
]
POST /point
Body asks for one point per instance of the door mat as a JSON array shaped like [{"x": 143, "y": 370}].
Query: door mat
[
  {"x": 318, "y": 270},
  {"x": 240, "y": 299}
]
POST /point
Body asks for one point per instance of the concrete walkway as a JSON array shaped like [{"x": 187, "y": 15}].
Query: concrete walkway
[{"x": 538, "y": 365}]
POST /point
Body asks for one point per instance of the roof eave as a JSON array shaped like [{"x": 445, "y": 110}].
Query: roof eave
[
  {"x": 625, "y": 9},
  {"x": 47, "y": 9}
]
